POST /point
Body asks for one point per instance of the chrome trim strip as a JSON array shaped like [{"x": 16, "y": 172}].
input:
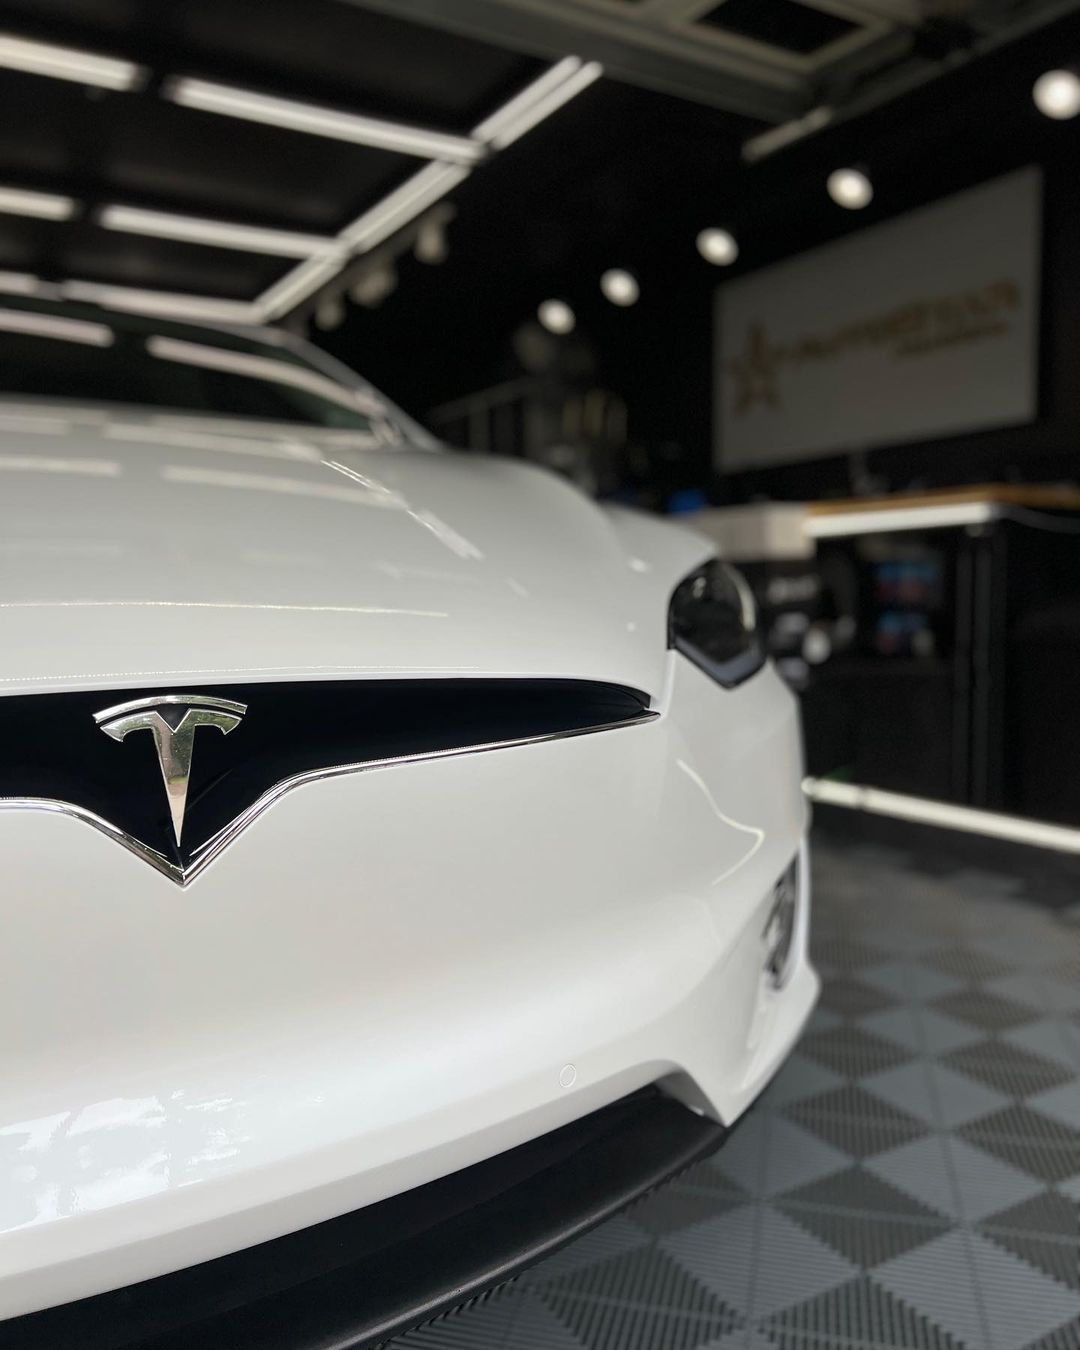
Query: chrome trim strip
[
  {"x": 114, "y": 832},
  {"x": 189, "y": 700},
  {"x": 207, "y": 852}
]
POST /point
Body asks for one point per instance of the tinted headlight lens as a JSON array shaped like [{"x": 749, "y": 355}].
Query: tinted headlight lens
[{"x": 713, "y": 621}]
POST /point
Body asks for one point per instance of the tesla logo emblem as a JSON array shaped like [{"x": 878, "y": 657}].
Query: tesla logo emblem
[{"x": 173, "y": 720}]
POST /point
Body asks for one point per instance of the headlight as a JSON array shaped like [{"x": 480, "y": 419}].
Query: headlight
[{"x": 713, "y": 621}]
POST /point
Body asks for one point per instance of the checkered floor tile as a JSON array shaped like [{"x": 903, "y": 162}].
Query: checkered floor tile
[{"x": 911, "y": 1181}]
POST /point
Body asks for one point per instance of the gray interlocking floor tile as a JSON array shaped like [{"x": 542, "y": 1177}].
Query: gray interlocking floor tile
[
  {"x": 966, "y": 963},
  {"x": 1070, "y": 1187},
  {"x": 708, "y": 1176},
  {"x": 989, "y": 1011},
  {"x": 1044, "y": 1231},
  {"x": 1045, "y": 992},
  {"x": 862, "y": 1217},
  {"x": 934, "y": 1093},
  {"x": 821, "y": 1019},
  {"x": 759, "y": 1260},
  {"x": 952, "y": 1176},
  {"x": 845, "y": 953},
  {"x": 911, "y": 981},
  {"x": 1060, "y": 1103},
  {"x": 938, "y": 1280},
  {"x": 675, "y": 1207},
  {"x": 860, "y": 1315},
  {"x": 641, "y": 1300},
  {"x": 953, "y": 1008},
  {"x": 536, "y": 1327},
  {"x": 853, "y": 1051},
  {"x": 1006, "y": 1067},
  {"x": 921, "y": 1030},
  {"x": 1029, "y": 1140},
  {"x": 850, "y": 997},
  {"x": 800, "y": 1077},
  {"x": 1021, "y": 1303},
  {"x": 774, "y": 1159},
  {"x": 1051, "y": 1037},
  {"x": 1066, "y": 1337},
  {"x": 742, "y": 1338},
  {"x": 852, "y": 1119}
]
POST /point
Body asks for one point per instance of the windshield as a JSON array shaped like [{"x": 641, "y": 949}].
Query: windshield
[{"x": 90, "y": 356}]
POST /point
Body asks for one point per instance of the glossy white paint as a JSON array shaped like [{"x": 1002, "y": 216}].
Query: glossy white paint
[
  {"x": 139, "y": 555},
  {"x": 383, "y": 978}
]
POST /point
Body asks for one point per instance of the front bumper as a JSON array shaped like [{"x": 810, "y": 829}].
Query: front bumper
[
  {"x": 360, "y": 1279},
  {"x": 387, "y": 979}
]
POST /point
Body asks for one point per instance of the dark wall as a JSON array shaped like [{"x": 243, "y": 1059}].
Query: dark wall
[
  {"x": 625, "y": 177},
  {"x": 969, "y": 127}
]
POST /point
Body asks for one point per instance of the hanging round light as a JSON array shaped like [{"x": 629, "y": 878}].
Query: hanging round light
[
  {"x": 850, "y": 188},
  {"x": 557, "y": 317},
  {"x": 1057, "y": 94},
  {"x": 717, "y": 246},
  {"x": 620, "y": 287}
]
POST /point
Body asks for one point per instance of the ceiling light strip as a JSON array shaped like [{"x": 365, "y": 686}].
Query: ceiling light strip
[
  {"x": 405, "y": 203},
  {"x": 511, "y": 122},
  {"x": 395, "y": 210},
  {"x": 55, "y": 326},
  {"x": 208, "y": 96},
  {"x": 68, "y": 63},
  {"x": 322, "y": 258},
  {"x": 217, "y": 233},
  {"x": 163, "y": 304},
  {"x": 532, "y": 94},
  {"x": 296, "y": 285},
  {"x": 540, "y": 99},
  {"x": 41, "y": 205}
]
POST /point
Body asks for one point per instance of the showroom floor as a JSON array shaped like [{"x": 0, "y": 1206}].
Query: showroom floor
[{"x": 911, "y": 1179}]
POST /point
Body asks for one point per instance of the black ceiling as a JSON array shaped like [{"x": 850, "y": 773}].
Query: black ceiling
[
  {"x": 624, "y": 177},
  {"x": 139, "y": 149}
]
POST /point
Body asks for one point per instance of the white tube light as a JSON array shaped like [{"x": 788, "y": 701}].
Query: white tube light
[
  {"x": 296, "y": 285},
  {"x": 67, "y": 63},
  {"x": 777, "y": 138},
  {"x": 405, "y": 203},
  {"x": 889, "y": 518},
  {"x": 56, "y": 326},
  {"x": 924, "y": 811},
  {"x": 540, "y": 99},
  {"x": 162, "y": 304},
  {"x": 41, "y": 205},
  {"x": 395, "y": 210},
  {"x": 20, "y": 283},
  {"x": 207, "y": 96},
  {"x": 217, "y": 233}
]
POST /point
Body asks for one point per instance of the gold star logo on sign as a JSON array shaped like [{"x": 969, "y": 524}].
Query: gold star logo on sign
[{"x": 755, "y": 372}]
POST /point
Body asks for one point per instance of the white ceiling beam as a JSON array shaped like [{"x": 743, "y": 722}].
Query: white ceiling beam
[
  {"x": 753, "y": 81},
  {"x": 216, "y": 233},
  {"x": 68, "y": 63},
  {"x": 315, "y": 120}
]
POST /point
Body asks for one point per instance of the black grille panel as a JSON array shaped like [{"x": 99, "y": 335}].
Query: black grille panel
[{"x": 52, "y": 748}]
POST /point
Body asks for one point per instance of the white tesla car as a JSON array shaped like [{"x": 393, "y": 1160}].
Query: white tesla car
[{"x": 402, "y": 857}]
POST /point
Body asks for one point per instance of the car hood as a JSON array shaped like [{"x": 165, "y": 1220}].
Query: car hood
[{"x": 139, "y": 552}]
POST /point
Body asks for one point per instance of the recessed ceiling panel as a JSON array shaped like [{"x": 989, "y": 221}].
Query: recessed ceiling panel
[
  {"x": 779, "y": 23},
  {"x": 320, "y": 50}
]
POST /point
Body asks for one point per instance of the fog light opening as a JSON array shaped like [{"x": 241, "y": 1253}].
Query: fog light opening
[{"x": 779, "y": 931}]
